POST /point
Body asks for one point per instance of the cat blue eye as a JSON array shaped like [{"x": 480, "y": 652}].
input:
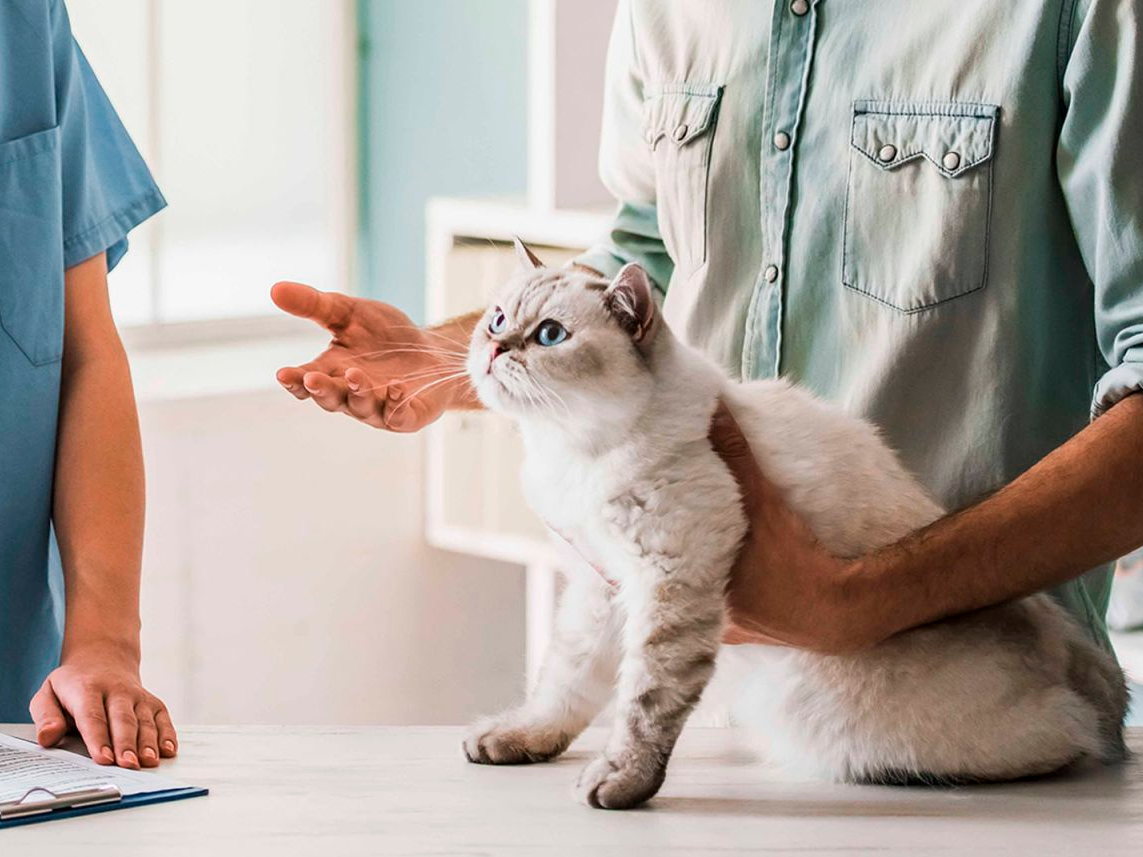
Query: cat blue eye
[
  {"x": 499, "y": 321},
  {"x": 550, "y": 333}
]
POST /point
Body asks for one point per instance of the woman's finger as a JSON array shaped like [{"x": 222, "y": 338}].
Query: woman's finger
[
  {"x": 90, "y": 716},
  {"x": 329, "y": 393},
  {"x": 49, "y": 717},
  {"x": 148, "y": 740},
  {"x": 124, "y": 729},
  {"x": 361, "y": 399},
  {"x": 168, "y": 737},
  {"x": 290, "y": 377}
]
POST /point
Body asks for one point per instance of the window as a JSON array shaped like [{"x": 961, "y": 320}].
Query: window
[{"x": 244, "y": 109}]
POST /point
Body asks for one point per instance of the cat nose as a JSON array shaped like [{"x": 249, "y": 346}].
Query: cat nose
[{"x": 497, "y": 349}]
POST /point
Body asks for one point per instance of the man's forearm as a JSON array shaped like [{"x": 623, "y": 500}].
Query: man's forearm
[
  {"x": 99, "y": 485},
  {"x": 1078, "y": 507}
]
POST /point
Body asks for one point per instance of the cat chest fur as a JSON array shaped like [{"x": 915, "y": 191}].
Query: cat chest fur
[{"x": 637, "y": 510}]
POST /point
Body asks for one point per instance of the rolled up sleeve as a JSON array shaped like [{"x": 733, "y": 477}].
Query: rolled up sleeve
[
  {"x": 1099, "y": 165},
  {"x": 626, "y": 168}
]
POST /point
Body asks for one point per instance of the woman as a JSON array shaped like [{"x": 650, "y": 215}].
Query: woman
[{"x": 72, "y": 185}]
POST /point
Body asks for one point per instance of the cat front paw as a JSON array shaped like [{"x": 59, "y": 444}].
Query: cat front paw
[
  {"x": 507, "y": 741},
  {"x": 619, "y": 782}
]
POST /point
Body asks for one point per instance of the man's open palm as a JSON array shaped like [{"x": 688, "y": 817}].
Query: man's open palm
[{"x": 379, "y": 367}]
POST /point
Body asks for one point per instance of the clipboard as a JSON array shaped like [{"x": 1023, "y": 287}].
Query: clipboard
[
  {"x": 51, "y": 807},
  {"x": 41, "y": 803}
]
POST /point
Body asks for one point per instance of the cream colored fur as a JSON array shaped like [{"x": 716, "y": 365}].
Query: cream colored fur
[{"x": 615, "y": 423}]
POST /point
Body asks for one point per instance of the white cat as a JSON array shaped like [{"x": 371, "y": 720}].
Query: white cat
[{"x": 614, "y": 412}]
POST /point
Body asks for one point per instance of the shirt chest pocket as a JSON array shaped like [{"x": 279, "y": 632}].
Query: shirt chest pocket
[
  {"x": 918, "y": 201},
  {"x": 31, "y": 246},
  {"x": 678, "y": 124}
]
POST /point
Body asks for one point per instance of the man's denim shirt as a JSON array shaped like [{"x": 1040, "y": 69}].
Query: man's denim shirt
[{"x": 930, "y": 213}]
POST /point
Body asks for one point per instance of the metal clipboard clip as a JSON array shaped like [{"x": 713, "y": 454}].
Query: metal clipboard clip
[{"x": 26, "y": 805}]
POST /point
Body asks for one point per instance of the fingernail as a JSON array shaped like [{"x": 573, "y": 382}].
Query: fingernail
[
  {"x": 149, "y": 754},
  {"x": 169, "y": 745},
  {"x": 108, "y": 754},
  {"x": 353, "y": 385},
  {"x": 394, "y": 393},
  {"x": 130, "y": 758}
]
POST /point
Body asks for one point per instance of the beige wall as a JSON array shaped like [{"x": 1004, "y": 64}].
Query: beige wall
[{"x": 286, "y": 579}]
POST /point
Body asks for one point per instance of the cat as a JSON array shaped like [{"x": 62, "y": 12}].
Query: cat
[{"x": 614, "y": 412}]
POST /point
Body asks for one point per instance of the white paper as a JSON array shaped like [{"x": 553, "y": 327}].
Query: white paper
[{"x": 25, "y": 766}]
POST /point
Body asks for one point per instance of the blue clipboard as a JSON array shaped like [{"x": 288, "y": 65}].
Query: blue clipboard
[{"x": 53, "y": 807}]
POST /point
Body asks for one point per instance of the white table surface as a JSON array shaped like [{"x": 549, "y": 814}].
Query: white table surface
[{"x": 340, "y": 792}]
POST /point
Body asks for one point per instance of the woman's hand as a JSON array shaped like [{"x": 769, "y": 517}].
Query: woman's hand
[
  {"x": 785, "y": 588},
  {"x": 97, "y": 692},
  {"x": 379, "y": 367}
]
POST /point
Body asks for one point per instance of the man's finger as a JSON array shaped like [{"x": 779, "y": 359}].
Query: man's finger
[
  {"x": 90, "y": 718},
  {"x": 168, "y": 737},
  {"x": 732, "y": 447},
  {"x": 49, "y": 717},
  {"x": 329, "y": 309},
  {"x": 148, "y": 740},
  {"x": 124, "y": 729},
  {"x": 329, "y": 393}
]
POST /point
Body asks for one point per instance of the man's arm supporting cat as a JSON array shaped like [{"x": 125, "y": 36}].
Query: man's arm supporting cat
[{"x": 1076, "y": 508}]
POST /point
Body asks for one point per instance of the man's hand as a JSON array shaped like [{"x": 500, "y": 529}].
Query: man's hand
[
  {"x": 379, "y": 367},
  {"x": 785, "y": 589},
  {"x": 97, "y": 692},
  {"x": 1074, "y": 509}
]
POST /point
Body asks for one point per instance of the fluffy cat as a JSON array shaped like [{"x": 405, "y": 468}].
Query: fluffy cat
[{"x": 614, "y": 412}]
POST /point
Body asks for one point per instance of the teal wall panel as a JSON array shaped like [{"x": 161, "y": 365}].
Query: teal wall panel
[{"x": 443, "y": 113}]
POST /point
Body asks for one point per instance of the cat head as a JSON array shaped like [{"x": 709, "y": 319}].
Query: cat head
[{"x": 564, "y": 344}]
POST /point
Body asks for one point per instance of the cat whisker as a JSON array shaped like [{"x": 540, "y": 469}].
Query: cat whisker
[
  {"x": 430, "y": 332},
  {"x": 418, "y": 376},
  {"x": 413, "y": 348},
  {"x": 407, "y": 399}
]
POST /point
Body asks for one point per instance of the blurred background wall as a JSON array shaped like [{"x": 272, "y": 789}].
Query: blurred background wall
[{"x": 443, "y": 112}]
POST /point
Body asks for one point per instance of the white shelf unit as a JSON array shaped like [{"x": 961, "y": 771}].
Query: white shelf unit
[{"x": 474, "y": 504}]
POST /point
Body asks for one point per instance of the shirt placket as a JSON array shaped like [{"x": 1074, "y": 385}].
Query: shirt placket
[{"x": 788, "y": 72}]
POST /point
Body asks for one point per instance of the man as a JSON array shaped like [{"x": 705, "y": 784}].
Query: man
[
  {"x": 932, "y": 215},
  {"x": 72, "y": 186}
]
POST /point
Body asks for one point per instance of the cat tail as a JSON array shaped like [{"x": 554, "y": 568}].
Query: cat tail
[{"x": 1096, "y": 677}]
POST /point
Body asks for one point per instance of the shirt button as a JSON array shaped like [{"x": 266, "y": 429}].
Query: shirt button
[
  {"x": 771, "y": 273},
  {"x": 951, "y": 161},
  {"x": 799, "y": 7},
  {"x": 888, "y": 152},
  {"x": 781, "y": 141},
  {"x": 681, "y": 133}
]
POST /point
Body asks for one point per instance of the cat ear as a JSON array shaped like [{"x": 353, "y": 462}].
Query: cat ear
[
  {"x": 528, "y": 259},
  {"x": 631, "y": 300}
]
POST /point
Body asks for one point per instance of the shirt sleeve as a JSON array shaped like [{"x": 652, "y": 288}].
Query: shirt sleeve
[
  {"x": 1099, "y": 168},
  {"x": 107, "y": 188},
  {"x": 625, "y": 166}
]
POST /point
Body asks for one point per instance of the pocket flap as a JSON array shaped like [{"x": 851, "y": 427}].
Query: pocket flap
[
  {"x": 679, "y": 112},
  {"x": 953, "y": 136}
]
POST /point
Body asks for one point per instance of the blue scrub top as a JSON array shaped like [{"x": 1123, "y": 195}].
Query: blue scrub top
[{"x": 72, "y": 185}]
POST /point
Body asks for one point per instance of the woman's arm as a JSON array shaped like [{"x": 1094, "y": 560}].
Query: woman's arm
[{"x": 98, "y": 518}]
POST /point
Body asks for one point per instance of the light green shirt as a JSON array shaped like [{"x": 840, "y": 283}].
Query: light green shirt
[{"x": 929, "y": 213}]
